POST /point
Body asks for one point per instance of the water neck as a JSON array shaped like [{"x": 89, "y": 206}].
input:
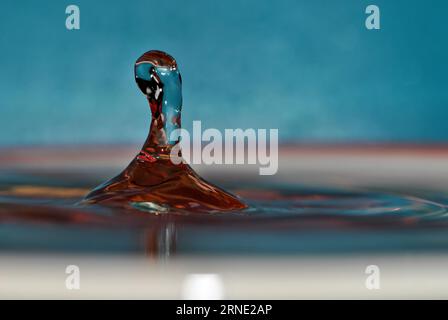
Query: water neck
[
  {"x": 163, "y": 89},
  {"x": 166, "y": 108}
]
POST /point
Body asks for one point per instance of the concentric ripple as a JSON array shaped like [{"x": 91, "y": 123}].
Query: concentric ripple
[{"x": 344, "y": 203}]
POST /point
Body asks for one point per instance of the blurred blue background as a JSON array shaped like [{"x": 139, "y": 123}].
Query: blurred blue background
[{"x": 309, "y": 68}]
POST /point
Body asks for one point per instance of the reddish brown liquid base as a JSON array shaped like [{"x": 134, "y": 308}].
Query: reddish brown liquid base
[
  {"x": 165, "y": 184},
  {"x": 151, "y": 177}
]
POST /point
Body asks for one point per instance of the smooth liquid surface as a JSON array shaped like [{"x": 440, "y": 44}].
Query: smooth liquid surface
[{"x": 38, "y": 213}]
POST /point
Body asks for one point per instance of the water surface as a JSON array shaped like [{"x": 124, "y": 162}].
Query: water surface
[{"x": 39, "y": 213}]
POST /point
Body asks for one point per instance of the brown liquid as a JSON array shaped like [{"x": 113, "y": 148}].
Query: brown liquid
[{"x": 151, "y": 181}]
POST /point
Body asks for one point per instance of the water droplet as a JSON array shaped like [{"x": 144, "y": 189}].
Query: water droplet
[{"x": 152, "y": 182}]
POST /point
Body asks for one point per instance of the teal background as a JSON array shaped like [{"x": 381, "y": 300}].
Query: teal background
[{"x": 309, "y": 68}]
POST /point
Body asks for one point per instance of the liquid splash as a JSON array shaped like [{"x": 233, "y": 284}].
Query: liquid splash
[
  {"x": 151, "y": 182},
  {"x": 37, "y": 211}
]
